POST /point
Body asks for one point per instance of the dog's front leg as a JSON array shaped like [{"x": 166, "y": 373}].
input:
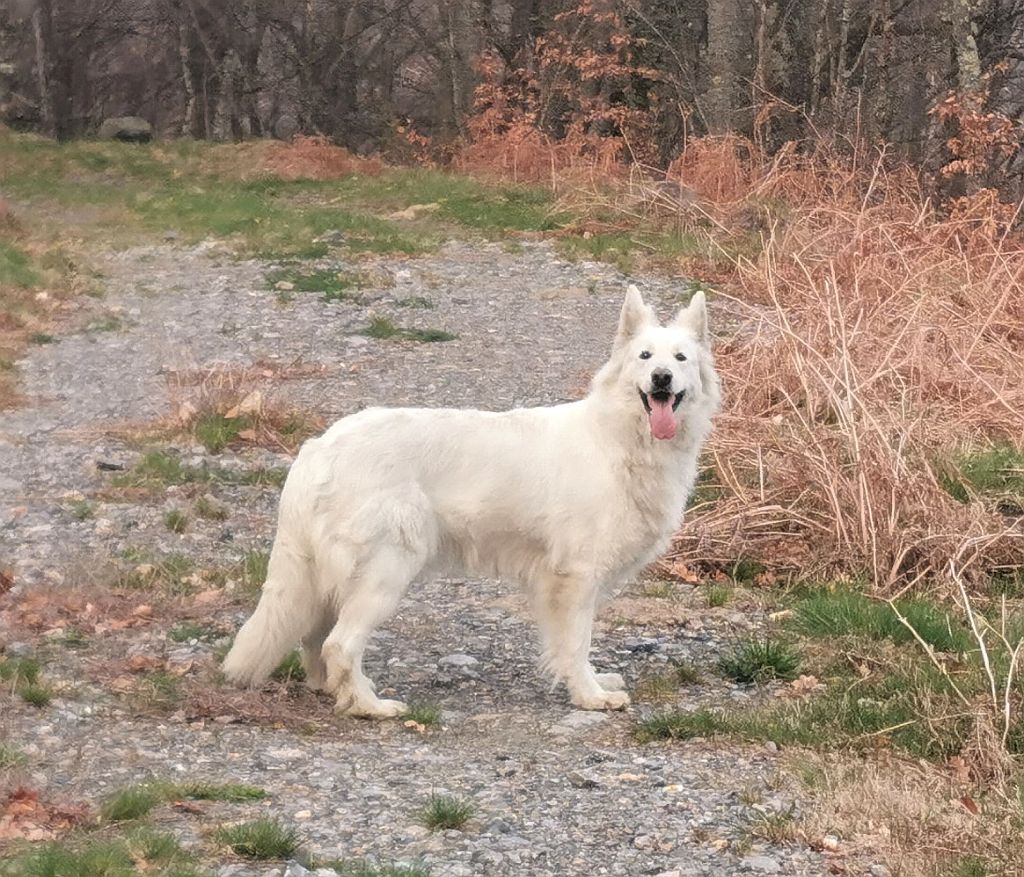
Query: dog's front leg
[{"x": 565, "y": 606}]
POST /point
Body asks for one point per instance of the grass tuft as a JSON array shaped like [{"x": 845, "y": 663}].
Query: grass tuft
[
  {"x": 447, "y": 811},
  {"x": 176, "y": 521},
  {"x": 290, "y": 669},
  {"x": 760, "y": 660},
  {"x": 262, "y": 838},
  {"x": 384, "y": 329},
  {"x": 36, "y": 694},
  {"x": 133, "y": 802},
  {"x": 426, "y": 714}
]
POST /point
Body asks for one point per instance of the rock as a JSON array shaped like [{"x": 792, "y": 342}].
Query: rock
[
  {"x": 879, "y": 871},
  {"x": 577, "y": 720},
  {"x": 333, "y": 238},
  {"x": 764, "y": 864},
  {"x": 771, "y": 746},
  {"x": 131, "y": 129},
  {"x": 830, "y": 842},
  {"x": 583, "y": 779},
  {"x": 674, "y": 873},
  {"x": 171, "y": 235},
  {"x": 457, "y": 660}
]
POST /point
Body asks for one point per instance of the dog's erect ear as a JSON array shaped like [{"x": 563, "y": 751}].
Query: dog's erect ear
[
  {"x": 695, "y": 316},
  {"x": 635, "y": 315}
]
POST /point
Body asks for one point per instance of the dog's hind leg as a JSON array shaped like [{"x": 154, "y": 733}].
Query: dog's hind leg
[
  {"x": 312, "y": 649},
  {"x": 400, "y": 546},
  {"x": 565, "y": 607}
]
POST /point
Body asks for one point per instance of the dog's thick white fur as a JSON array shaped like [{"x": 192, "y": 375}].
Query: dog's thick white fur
[{"x": 569, "y": 500}]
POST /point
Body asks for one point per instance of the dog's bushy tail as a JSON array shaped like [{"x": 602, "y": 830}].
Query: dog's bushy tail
[{"x": 286, "y": 612}]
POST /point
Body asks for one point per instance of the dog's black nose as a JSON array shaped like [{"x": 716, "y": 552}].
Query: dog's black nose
[{"x": 661, "y": 378}]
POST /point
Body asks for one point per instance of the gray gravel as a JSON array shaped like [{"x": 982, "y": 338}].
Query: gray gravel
[{"x": 555, "y": 791}]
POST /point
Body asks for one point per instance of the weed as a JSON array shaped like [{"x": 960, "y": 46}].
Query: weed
[
  {"x": 81, "y": 509},
  {"x": 187, "y": 631},
  {"x": 758, "y": 660},
  {"x": 680, "y": 726},
  {"x": 426, "y": 714},
  {"x": 20, "y": 670},
  {"x": 685, "y": 672},
  {"x": 775, "y": 826},
  {"x": 36, "y": 694},
  {"x": 384, "y": 329},
  {"x": 158, "y": 692},
  {"x": 108, "y": 323},
  {"x": 161, "y": 469},
  {"x": 10, "y": 756},
  {"x": 262, "y": 838},
  {"x": 176, "y": 521},
  {"x": 415, "y": 301},
  {"x": 252, "y": 570},
  {"x": 41, "y": 338},
  {"x": 717, "y": 595},
  {"x": 16, "y": 267},
  {"x": 133, "y": 802},
  {"x": 446, "y": 811},
  {"x": 209, "y": 791},
  {"x": 334, "y": 285},
  {"x": 290, "y": 669},
  {"x": 215, "y": 432}
]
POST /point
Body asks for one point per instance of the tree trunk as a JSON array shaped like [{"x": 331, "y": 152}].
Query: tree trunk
[{"x": 728, "y": 54}]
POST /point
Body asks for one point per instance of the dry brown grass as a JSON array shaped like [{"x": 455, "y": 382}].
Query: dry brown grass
[
  {"x": 302, "y": 158},
  {"x": 879, "y": 336},
  {"x": 916, "y": 818}
]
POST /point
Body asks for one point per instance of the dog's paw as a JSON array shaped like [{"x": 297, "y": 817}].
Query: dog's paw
[
  {"x": 605, "y": 700},
  {"x": 611, "y": 681},
  {"x": 375, "y": 709}
]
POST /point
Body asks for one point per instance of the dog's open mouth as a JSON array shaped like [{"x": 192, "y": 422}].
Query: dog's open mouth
[{"x": 660, "y": 406}]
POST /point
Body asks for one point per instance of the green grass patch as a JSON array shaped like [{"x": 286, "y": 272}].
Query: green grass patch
[
  {"x": 41, "y": 338},
  {"x": 686, "y": 672},
  {"x": 426, "y": 714},
  {"x": 209, "y": 509},
  {"x": 996, "y": 472},
  {"x": 142, "y": 852},
  {"x": 758, "y": 660},
  {"x": 332, "y": 284},
  {"x": 625, "y": 249},
  {"x": 187, "y": 631},
  {"x": 158, "y": 692},
  {"x": 20, "y": 670},
  {"x": 134, "y": 802},
  {"x": 384, "y": 329},
  {"x": 209, "y": 791},
  {"x": 169, "y": 572},
  {"x": 81, "y": 509},
  {"x": 830, "y": 614},
  {"x": 717, "y": 595},
  {"x": 215, "y": 432},
  {"x": 252, "y": 570},
  {"x": 10, "y": 756},
  {"x": 415, "y": 301},
  {"x": 163, "y": 469},
  {"x": 36, "y": 694},
  {"x": 261, "y": 839},
  {"x": 16, "y": 268},
  {"x": 447, "y": 811},
  {"x": 290, "y": 669},
  {"x": 176, "y": 521}
]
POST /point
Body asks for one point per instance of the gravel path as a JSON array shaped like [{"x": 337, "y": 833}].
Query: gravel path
[{"x": 555, "y": 791}]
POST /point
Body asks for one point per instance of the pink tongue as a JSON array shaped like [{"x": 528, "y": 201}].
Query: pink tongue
[{"x": 663, "y": 422}]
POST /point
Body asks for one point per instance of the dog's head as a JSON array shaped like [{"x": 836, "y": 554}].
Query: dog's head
[{"x": 668, "y": 369}]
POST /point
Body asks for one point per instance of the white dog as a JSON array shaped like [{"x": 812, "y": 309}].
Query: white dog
[{"x": 569, "y": 500}]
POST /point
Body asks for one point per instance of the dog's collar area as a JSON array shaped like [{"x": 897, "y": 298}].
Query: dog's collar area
[{"x": 660, "y": 396}]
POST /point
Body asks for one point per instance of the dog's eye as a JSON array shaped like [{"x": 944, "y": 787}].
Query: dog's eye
[
  {"x": 681, "y": 357},
  {"x": 645, "y": 354}
]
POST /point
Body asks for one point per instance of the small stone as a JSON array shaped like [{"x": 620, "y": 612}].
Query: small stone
[
  {"x": 879, "y": 871},
  {"x": 304, "y": 814},
  {"x": 458, "y": 660},
  {"x": 583, "y": 780},
  {"x": 171, "y": 235},
  {"x": 294, "y": 869},
  {"x": 674, "y": 873},
  {"x": 643, "y": 842},
  {"x": 771, "y": 746},
  {"x": 830, "y": 842},
  {"x": 764, "y": 864}
]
